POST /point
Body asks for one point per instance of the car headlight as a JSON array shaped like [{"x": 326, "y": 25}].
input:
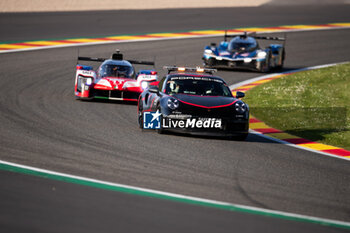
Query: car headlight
[
  {"x": 247, "y": 60},
  {"x": 208, "y": 51},
  {"x": 240, "y": 107},
  {"x": 85, "y": 80},
  {"x": 88, "y": 81},
  {"x": 144, "y": 85},
  {"x": 173, "y": 103},
  {"x": 261, "y": 54}
]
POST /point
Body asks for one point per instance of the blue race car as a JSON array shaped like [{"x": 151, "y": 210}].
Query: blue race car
[{"x": 244, "y": 52}]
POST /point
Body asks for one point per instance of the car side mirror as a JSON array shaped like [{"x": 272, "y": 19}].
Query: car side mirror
[
  {"x": 239, "y": 95},
  {"x": 153, "y": 89}
]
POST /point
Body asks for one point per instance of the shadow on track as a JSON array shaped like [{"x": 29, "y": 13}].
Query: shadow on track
[
  {"x": 250, "y": 137},
  {"x": 105, "y": 101}
]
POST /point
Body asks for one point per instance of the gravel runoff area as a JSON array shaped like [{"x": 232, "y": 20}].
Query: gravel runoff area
[{"x": 82, "y": 5}]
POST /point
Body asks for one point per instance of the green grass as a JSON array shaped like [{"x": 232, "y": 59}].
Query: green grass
[{"x": 313, "y": 104}]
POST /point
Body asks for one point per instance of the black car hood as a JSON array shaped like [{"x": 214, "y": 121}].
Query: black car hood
[{"x": 205, "y": 101}]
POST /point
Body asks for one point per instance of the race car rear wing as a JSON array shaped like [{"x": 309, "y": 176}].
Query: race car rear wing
[
  {"x": 269, "y": 38},
  {"x": 150, "y": 63},
  {"x": 253, "y": 34},
  {"x": 189, "y": 69},
  {"x": 116, "y": 56},
  {"x": 98, "y": 59},
  {"x": 91, "y": 59}
]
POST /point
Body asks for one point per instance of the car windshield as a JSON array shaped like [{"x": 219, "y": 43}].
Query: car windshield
[
  {"x": 242, "y": 46},
  {"x": 112, "y": 70},
  {"x": 202, "y": 86}
]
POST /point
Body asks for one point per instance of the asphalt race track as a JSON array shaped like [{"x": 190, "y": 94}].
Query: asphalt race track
[{"x": 42, "y": 125}]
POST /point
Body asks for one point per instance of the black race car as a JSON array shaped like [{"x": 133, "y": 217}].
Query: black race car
[{"x": 194, "y": 101}]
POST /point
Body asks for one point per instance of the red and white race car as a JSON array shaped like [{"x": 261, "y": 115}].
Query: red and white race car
[{"x": 115, "y": 79}]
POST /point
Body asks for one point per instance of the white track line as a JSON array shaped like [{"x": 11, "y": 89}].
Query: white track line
[{"x": 179, "y": 197}]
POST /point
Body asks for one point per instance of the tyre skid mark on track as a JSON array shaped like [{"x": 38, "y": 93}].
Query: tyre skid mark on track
[
  {"x": 8, "y": 47},
  {"x": 260, "y": 128}
]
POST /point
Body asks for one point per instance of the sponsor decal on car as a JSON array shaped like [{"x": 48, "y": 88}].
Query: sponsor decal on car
[
  {"x": 192, "y": 123},
  {"x": 147, "y": 77},
  {"x": 86, "y": 72},
  {"x": 154, "y": 120}
]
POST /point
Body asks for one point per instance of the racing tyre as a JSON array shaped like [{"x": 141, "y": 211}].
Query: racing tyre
[
  {"x": 210, "y": 62},
  {"x": 282, "y": 62},
  {"x": 240, "y": 137},
  {"x": 267, "y": 66},
  {"x": 140, "y": 117},
  {"x": 159, "y": 131}
]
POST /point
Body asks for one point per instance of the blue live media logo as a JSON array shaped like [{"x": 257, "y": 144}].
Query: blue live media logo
[{"x": 151, "y": 120}]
